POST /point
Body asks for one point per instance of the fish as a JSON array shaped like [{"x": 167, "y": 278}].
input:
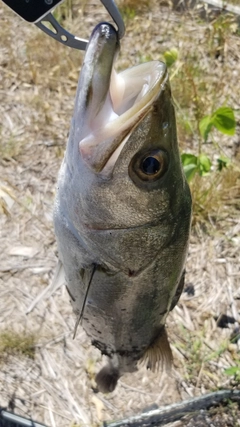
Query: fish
[{"x": 122, "y": 211}]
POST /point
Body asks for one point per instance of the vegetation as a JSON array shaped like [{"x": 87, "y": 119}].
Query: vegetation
[
  {"x": 235, "y": 372},
  {"x": 12, "y": 342},
  {"x": 38, "y": 79},
  {"x": 210, "y": 170},
  {"x": 130, "y": 8}
]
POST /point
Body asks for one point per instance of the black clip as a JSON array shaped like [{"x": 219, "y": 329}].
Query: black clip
[{"x": 68, "y": 39}]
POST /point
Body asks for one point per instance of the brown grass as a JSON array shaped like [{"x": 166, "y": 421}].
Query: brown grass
[
  {"x": 38, "y": 79},
  {"x": 22, "y": 344}
]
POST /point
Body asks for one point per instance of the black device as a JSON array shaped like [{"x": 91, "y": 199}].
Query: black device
[
  {"x": 39, "y": 13},
  {"x": 32, "y": 10}
]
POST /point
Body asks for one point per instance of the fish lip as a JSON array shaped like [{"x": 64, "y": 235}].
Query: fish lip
[
  {"x": 101, "y": 136},
  {"x": 96, "y": 73}
]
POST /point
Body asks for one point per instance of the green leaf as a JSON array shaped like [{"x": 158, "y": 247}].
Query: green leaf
[
  {"x": 205, "y": 127},
  {"x": 223, "y": 162},
  {"x": 190, "y": 171},
  {"x": 234, "y": 370},
  {"x": 145, "y": 58},
  {"x": 188, "y": 159},
  {"x": 193, "y": 164},
  {"x": 190, "y": 165},
  {"x": 223, "y": 119},
  {"x": 204, "y": 164},
  {"x": 170, "y": 56}
]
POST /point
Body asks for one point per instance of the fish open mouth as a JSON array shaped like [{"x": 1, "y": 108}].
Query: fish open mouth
[{"x": 114, "y": 103}]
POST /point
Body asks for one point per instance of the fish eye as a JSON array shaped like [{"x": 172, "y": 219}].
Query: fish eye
[{"x": 148, "y": 165}]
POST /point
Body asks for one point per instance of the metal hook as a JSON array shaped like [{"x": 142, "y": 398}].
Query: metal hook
[
  {"x": 68, "y": 39},
  {"x": 115, "y": 15}
]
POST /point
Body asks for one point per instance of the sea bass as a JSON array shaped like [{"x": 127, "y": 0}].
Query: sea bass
[{"x": 122, "y": 210}]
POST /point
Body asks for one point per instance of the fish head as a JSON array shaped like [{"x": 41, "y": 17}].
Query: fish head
[{"x": 122, "y": 155}]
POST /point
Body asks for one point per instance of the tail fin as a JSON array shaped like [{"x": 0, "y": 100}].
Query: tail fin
[
  {"x": 159, "y": 353},
  {"x": 107, "y": 378}
]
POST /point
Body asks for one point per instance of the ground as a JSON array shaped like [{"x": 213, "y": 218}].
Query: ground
[{"x": 45, "y": 374}]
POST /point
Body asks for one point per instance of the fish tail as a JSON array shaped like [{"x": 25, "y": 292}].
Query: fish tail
[
  {"x": 159, "y": 354},
  {"x": 107, "y": 378}
]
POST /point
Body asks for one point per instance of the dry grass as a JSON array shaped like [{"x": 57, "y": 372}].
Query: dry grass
[
  {"x": 130, "y": 8},
  {"x": 216, "y": 197},
  {"x": 38, "y": 79},
  {"x": 22, "y": 344}
]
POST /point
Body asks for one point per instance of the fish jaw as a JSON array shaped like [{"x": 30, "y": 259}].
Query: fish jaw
[
  {"x": 95, "y": 75},
  {"x": 110, "y": 105}
]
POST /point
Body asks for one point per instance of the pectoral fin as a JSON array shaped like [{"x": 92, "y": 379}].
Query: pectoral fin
[{"x": 159, "y": 354}]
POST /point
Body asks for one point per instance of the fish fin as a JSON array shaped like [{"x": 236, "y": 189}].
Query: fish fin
[
  {"x": 57, "y": 281},
  {"x": 107, "y": 378},
  {"x": 159, "y": 353},
  {"x": 178, "y": 291}
]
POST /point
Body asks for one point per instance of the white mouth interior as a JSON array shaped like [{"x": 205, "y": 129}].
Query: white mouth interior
[{"x": 130, "y": 95}]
